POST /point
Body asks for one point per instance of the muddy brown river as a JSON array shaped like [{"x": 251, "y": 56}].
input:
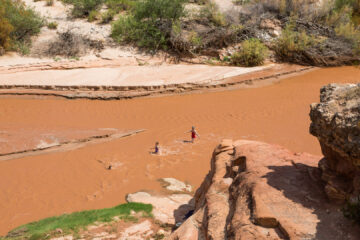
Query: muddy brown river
[{"x": 42, "y": 185}]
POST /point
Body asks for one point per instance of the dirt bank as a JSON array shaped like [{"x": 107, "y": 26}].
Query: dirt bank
[{"x": 38, "y": 186}]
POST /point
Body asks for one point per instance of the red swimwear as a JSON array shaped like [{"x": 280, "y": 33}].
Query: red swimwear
[{"x": 193, "y": 135}]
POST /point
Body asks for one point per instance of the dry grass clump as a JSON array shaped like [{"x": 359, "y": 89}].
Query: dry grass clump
[
  {"x": 70, "y": 45},
  {"x": 52, "y": 25},
  {"x": 212, "y": 13},
  {"x": 107, "y": 16}
]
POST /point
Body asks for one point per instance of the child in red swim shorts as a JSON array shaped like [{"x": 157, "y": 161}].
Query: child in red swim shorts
[{"x": 193, "y": 134}]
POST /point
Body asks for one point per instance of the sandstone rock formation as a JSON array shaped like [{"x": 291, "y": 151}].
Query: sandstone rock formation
[
  {"x": 336, "y": 123},
  {"x": 175, "y": 185},
  {"x": 171, "y": 207},
  {"x": 167, "y": 209},
  {"x": 259, "y": 191}
]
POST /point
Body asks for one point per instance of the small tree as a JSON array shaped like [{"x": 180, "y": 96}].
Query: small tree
[{"x": 17, "y": 25}]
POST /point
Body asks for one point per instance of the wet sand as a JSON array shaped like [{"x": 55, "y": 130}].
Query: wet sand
[{"x": 40, "y": 186}]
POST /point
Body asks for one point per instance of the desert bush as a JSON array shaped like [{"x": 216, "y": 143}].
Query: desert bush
[
  {"x": 82, "y": 8},
  {"x": 307, "y": 9},
  {"x": 144, "y": 34},
  {"x": 354, "y": 4},
  {"x": 211, "y": 12},
  {"x": 195, "y": 39},
  {"x": 93, "y": 15},
  {"x": 339, "y": 16},
  {"x": 292, "y": 42},
  {"x": 67, "y": 44},
  {"x": 119, "y": 5},
  {"x": 52, "y": 25},
  {"x": 350, "y": 32},
  {"x": 252, "y": 53},
  {"x": 149, "y": 24},
  {"x": 163, "y": 10},
  {"x": 18, "y": 24},
  {"x": 24, "y": 20},
  {"x": 5, "y": 31},
  {"x": 107, "y": 16},
  {"x": 241, "y": 2},
  {"x": 49, "y": 3},
  {"x": 71, "y": 45}
]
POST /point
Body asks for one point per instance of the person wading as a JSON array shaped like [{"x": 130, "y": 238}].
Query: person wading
[{"x": 193, "y": 134}]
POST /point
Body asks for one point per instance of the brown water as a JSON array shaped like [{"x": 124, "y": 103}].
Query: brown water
[{"x": 40, "y": 186}]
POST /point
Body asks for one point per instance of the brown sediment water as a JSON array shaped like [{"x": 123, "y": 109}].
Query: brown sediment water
[{"x": 38, "y": 186}]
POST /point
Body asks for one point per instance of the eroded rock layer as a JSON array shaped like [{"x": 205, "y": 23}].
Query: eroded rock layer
[
  {"x": 256, "y": 190},
  {"x": 336, "y": 123}
]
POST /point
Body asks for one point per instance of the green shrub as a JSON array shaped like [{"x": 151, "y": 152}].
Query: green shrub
[
  {"x": 18, "y": 24},
  {"x": 149, "y": 24},
  {"x": 52, "y": 25},
  {"x": 292, "y": 42},
  {"x": 93, "y": 15},
  {"x": 82, "y": 8},
  {"x": 354, "y": 4},
  {"x": 350, "y": 32},
  {"x": 22, "y": 47},
  {"x": 107, "y": 16},
  {"x": 144, "y": 34},
  {"x": 241, "y": 2},
  {"x": 252, "y": 53},
  {"x": 119, "y": 5},
  {"x": 154, "y": 10},
  {"x": 195, "y": 39},
  {"x": 24, "y": 20}
]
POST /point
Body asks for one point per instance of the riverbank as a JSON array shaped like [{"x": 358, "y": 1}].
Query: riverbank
[{"x": 114, "y": 79}]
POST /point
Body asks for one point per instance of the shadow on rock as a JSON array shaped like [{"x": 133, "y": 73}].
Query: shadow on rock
[{"x": 302, "y": 185}]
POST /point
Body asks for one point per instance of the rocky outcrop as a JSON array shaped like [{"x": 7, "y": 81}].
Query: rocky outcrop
[
  {"x": 168, "y": 209},
  {"x": 336, "y": 123},
  {"x": 171, "y": 206},
  {"x": 259, "y": 191}
]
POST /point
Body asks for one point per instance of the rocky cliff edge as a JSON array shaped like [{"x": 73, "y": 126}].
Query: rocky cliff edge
[
  {"x": 336, "y": 124},
  {"x": 259, "y": 191}
]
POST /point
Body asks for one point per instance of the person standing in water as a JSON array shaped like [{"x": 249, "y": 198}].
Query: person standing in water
[
  {"x": 193, "y": 134},
  {"x": 156, "y": 148}
]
